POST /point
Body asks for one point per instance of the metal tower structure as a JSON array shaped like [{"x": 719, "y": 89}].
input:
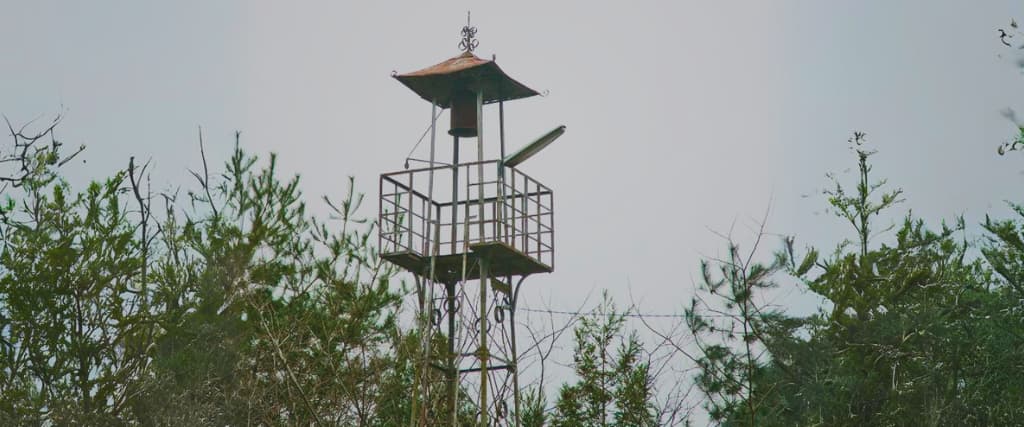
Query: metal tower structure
[{"x": 470, "y": 232}]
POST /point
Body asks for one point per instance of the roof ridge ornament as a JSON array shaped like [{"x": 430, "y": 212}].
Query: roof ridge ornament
[{"x": 469, "y": 41}]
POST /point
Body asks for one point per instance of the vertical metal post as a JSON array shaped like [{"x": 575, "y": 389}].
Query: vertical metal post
[
  {"x": 437, "y": 241},
  {"x": 513, "y": 301},
  {"x": 526, "y": 214},
  {"x": 539, "y": 228},
  {"x": 453, "y": 370},
  {"x": 414, "y": 407},
  {"x": 515, "y": 195},
  {"x": 409, "y": 212},
  {"x": 551, "y": 228},
  {"x": 380, "y": 215},
  {"x": 455, "y": 195},
  {"x": 500, "y": 213},
  {"x": 483, "y": 351},
  {"x": 428, "y": 233},
  {"x": 465, "y": 212},
  {"x": 501, "y": 126},
  {"x": 425, "y": 222},
  {"x": 480, "y": 160}
]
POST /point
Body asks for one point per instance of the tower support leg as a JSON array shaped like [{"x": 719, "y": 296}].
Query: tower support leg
[
  {"x": 483, "y": 351},
  {"x": 453, "y": 369}
]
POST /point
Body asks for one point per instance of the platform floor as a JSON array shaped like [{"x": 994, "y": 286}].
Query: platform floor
[{"x": 504, "y": 261}]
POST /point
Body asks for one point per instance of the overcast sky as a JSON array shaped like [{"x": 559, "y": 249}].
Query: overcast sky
[{"x": 683, "y": 117}]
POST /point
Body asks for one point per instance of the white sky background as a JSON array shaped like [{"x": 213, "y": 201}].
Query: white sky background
[{"x": 683, "y": 117}]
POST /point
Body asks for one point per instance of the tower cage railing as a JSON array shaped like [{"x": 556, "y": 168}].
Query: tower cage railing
[{"x": 471, "y": 203}]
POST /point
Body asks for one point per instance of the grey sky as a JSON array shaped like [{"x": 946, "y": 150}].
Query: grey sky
[{"x": 682, "y": 116}]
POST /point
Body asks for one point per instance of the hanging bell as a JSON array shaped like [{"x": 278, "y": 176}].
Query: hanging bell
[{"x": 463, "y": 114}]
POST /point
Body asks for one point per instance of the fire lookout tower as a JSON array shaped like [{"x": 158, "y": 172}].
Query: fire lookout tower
[{"x": 455, "y": 224}]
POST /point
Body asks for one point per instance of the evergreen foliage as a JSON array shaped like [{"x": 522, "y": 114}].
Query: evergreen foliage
[
  {"x": 242, "y": 309},
  {"x": 912, "y": 332},
  {"x": 614, "y": 385}
]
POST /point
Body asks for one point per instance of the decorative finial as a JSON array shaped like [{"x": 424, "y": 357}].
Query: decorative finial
[{"x": 469, "y": 41}]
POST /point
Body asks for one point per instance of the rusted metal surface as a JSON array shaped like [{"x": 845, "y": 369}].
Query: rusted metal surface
[
  {"x": 463, "y": 114},
  {"x": 464, "y": 72}
]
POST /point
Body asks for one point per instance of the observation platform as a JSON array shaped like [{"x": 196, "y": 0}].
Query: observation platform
[
  {"x": 506, "y": 217},
  {"x": 504, "y": 261}
]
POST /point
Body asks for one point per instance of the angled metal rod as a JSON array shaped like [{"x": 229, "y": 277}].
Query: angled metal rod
[
  {"x": 430, "y": 191},
  {"x": 426, "y": 282}
]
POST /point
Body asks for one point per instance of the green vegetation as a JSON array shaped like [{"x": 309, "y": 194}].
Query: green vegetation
[
  {"x": 233, "y": 306},
  {"x": 614, "y": 387},
  {"x": 915, "y": 331}
]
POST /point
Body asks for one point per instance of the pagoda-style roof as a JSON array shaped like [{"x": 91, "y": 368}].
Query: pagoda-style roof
[{"x": 467, "y": 71}]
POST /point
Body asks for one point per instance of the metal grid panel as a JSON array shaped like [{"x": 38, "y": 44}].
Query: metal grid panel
[{"x": 516, "y": 210}]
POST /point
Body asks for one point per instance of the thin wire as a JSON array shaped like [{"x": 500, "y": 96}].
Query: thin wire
[
  {"x": 627, "y": 314},
  {"x": 425, "y": 132}
]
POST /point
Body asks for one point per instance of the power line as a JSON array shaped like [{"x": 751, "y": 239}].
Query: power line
[{"x": 626, "y": 314}]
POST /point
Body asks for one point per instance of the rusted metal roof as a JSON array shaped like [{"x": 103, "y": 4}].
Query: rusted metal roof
[{"x": 467, "y": 71}]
